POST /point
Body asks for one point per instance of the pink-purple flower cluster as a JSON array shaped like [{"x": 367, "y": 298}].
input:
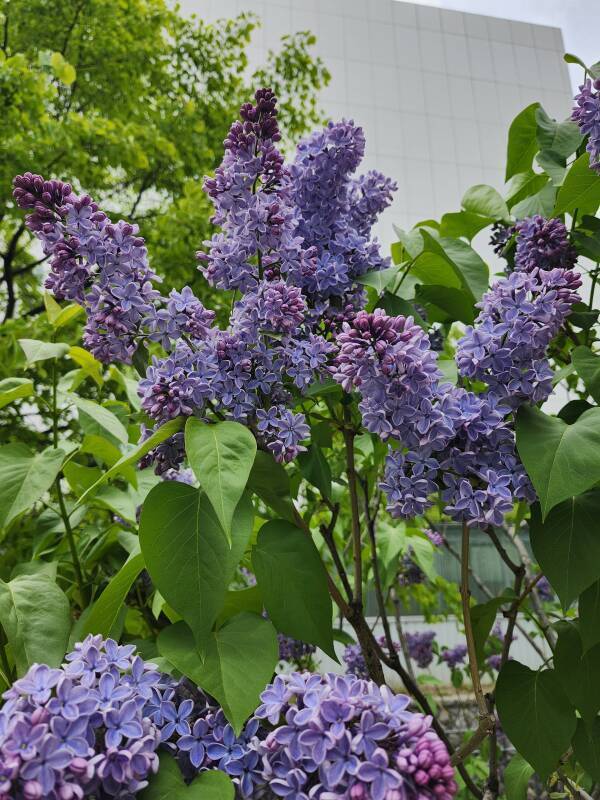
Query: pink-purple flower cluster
[
  {"x": 586, "y": 113},
  {"x": 80, "y": 731},
  {"x": 340, "y": 736}
]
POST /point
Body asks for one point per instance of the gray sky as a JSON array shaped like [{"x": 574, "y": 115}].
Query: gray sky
[{"x": 578, "y": 19}]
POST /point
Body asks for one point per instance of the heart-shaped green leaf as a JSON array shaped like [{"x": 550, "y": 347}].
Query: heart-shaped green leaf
[
  {"x": 535, "y": 714},
  {"x": 561, "y": 460},
  {"x": 186, "y": 551},
  {"x": 589, "y": 615},
  {"x": 586, "y": 745},
  {"x": 221, "y": 456},
  {"x": 567, "y": 544},
  {"x": 293, "y": 583},
  {"x": 587, "y": 365},
  {"x": 516, "y": 778}
]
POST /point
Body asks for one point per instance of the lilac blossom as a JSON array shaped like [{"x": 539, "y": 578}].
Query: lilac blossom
[
  {"x": 454, "y": 656},
  {"x": 586, "y": 113},
  {"x": 420, "y": 647}
]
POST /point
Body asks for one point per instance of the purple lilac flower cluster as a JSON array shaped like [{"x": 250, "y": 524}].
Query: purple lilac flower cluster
[
  {"x": 494, "y": 661},
  {"x": 101, "y": 265},
  {"x": 420, "y": 647},
  {"x": 410, "y": 573},
  {"x": 586, "y": 113},
  {"x": 80, "y": 731},
  {"x": 454, "y": 656},
  {"x": 293, "y": 240},
  {"x": 341, "y": 736},
  {"x": 545, "y": 590},
  {"x": 453, "y": 437},
  {"x": 354, "y": 659},
  {"x": 295, "y": 652}
]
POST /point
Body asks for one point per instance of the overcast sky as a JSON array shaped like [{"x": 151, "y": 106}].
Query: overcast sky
[{"x": 578, "y": 19}]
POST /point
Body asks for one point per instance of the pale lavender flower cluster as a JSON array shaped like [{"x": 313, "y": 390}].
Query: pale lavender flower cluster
[
  {"x": 454, "y": 656},
  {"x": 80, "y": 731},
  {"x": 586, "y": 113},
  {"x": 101, "y": 265},
  {"x": 420, "y": 647},
  {"x": 339, "y": 736}
]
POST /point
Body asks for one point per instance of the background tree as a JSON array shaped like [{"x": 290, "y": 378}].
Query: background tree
[{"x": 134, "y": 101}]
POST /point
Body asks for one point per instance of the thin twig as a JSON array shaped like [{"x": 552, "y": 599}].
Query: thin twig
[{"x": 356, "y": 539}]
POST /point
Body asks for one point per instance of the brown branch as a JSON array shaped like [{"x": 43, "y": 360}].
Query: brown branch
[
  {"x": 356, "y": 539},
  {"x": 513, "y": 566},
  {"x": 8, "y": 258},
  {"x": 544, "y": 622},
  {"x": 327, "y": 534}
]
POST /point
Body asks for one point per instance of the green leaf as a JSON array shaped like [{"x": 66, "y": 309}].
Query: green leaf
[
  {"x": 315, "y": 469},
  {"x": 168, "y": 784},
  {"x": 571, "y": 59},
  {"x": 396, "y": 306},
  {"x": 25, "y": 477},
  {"x": 239, "y": 662},
  {"x": 379, "y": 279},
  {"x": 587, "y": 365},
  {"x": 456, "y": 304},
  {"x": 186, "y": 551},
  {"x": 483, "y": 617},
  {"x": 105, "y": 611},
  {"x": 554, "y": 166},
  {"x": 486, "y": 201},
  {"x": 271, "y": 483},
  {"x": 12, "y": 389},
  {"x": 523, "y": 185},
  {"x": 562, "y": 138},
  {"x": 540, "y": 203},
  {"x": 516, "y": 778},
  {"x": 103, "y": 419},
  {"x": 580, "y": 190},
  {"x": 567, "y": 544},
  {"x": 36, "y": 350},
  {"x": 36, "y": 618},
  {"x": 535, "y": 714},
  {"x": 221, "y": 456},
  {"x": 249, "y": 599},
  {"x": 589, "y": 615},
  {"x": 463, "y": 223},
  {"x": 423, "y": 552},
  {"x": 568, "y": 462},
  {"x": 586, "y": 746},
  {"x": 578, "y": 671},
  {"x": 391, "y": 541},
  {"x": 165, "y": 431},
  {"x": 522, "y": 141},
  {"x": 293, "y": 583},
  {"x": 452, "y": 263},
  {"x": 67, "y": 314},
  {"x": 88, "y": 363}
]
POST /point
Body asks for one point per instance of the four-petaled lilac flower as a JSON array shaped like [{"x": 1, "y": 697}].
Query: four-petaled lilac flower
[
  {"x": 176, "y": 718},
  {"x": 193, "y": 743},
  {"x": 51, "y": 758},
  {"x": 122, "y": 723},
  {"x": 377, "y": 773}
]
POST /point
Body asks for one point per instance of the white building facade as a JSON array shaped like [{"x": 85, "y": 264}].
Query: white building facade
[{"x": 435, "y": 90}]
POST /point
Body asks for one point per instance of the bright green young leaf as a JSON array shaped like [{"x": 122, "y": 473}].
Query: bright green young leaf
[
  {"x": 168, "y": 784},
  {"x": 53, "y": 309},
  {"x": 107, "y": 607},
  {"x": 315, "y": 469},
  {"x": 535, "y": 714},
  {"x": 523, "y": 185},
  {"x": 103, "y": 419},
  {"x": 186, "y": 552},
  {"x": 221, "y": 456},
  {"x": 88, "y": 363},
  {"x": 165, "y": 431},
  {"x": 553, "y": 165},
  {"x": 36, "y": 618},
  {"x": 483, "y": 617},
  {"x": 586, "y": 745},
  {"x": 522, "y": 141},
  {"x": 516, "y": 778},
  {"x": 25, "y": 477},
  {"x": 378, "y": 279},
  {"x": 587, "y": 365},
  {"x": 568, "y": 461},
  {"x": 562, "y": 138},
  {"x": 391, "y": 541},
  {"x": 293, "y": 583},
  {"x": 540, "y": 203},
  {"x": 580, "y": 190},
  {"x": 107, "y": 453},
  {"x": 486, "y": 201},
  {"x": 12, "y": 389},
  {"x": 271, "y": 483},
  {"x": 80, "y": 477},
  {"x": 463, "y": 224},
  {"x": 36, "y": 350},
  {"x": 423, "y": 552},
  {"x": 67, "y": 314},
  {"x": 567, "y": 544},
  {"x": 589, "y": 616}
]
